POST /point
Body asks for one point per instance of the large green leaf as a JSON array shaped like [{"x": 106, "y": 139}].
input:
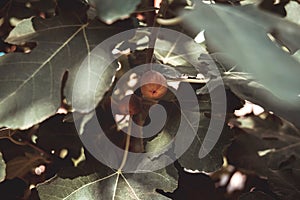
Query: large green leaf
[
  {"x": 191, "y": 131},
  {"x": 214, "y": 159},
  {"x": 241, "y": 33},
  {"x": 111, "y": 185},
  {"x": 31, "y": 84}
]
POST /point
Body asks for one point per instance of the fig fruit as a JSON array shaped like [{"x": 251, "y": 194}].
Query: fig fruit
[{"x": 153, "y": 85}]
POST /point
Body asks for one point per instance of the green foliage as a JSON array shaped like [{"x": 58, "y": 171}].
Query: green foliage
[
  {"x": 240, "y": 32},
  {"x": 269, "y": 146},
  {"x": 111, "y": 185},
  {"x": 45, "y": 94}
]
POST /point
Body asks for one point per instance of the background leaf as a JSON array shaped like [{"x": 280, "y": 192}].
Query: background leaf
[
  {"x": 20, "y": 166},
  {"x": 246, "y": 87},
  {"x": 269, "y": 146},
  {"x": 255, "y": 195},
  {"x": 12, "y": 11},
  {"x": 2, "y": 168},
  {"x": 292, "y": 11},
  {"x": 110, "y": 11}
]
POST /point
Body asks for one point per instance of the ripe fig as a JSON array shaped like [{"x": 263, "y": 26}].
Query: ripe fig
[{"x": 153, "y": 85}]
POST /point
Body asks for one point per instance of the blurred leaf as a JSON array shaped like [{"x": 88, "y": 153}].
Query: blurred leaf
[
  {"x": 277, "y": 140},
  {"x": 21, "y": 9},
  {"x": 285, "y": 183},
  {"x": 296, "y": 55},
  {"x": 111, "y": 185},
  {"x": 20, "y": 166},
  {"x": 269, "y": 146},
  {"x": 2, "y": 168},
  {"x": 277, "y": 8},
  {"x": 247, "y": 43},
  {"x": 246, "y": 87},
  {"x": 293, "y": 11},
  {"x": 13, "y": 189},
  {"x": 110, "y": 11},
  {"x": 63, "y": 42},
  {"x": 255, "y": 195}
]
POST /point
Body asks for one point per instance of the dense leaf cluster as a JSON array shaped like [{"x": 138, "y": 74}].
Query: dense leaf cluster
[{"x": 255, "y": 47}]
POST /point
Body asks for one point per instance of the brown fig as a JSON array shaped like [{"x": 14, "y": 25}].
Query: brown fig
[{"x": 153, "y": 85}]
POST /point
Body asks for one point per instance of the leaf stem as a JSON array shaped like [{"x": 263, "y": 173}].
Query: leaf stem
[{"x": 127, "y": 144}]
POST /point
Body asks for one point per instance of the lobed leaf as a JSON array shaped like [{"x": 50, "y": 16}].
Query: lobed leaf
[
  {"x": 31, "y": 84},
  {"x": 110, "y": 185}
]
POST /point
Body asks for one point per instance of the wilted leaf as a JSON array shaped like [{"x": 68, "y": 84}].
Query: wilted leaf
[
  {"x": 111, "y": 185},
  {"x": 31, "y": 84}
]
